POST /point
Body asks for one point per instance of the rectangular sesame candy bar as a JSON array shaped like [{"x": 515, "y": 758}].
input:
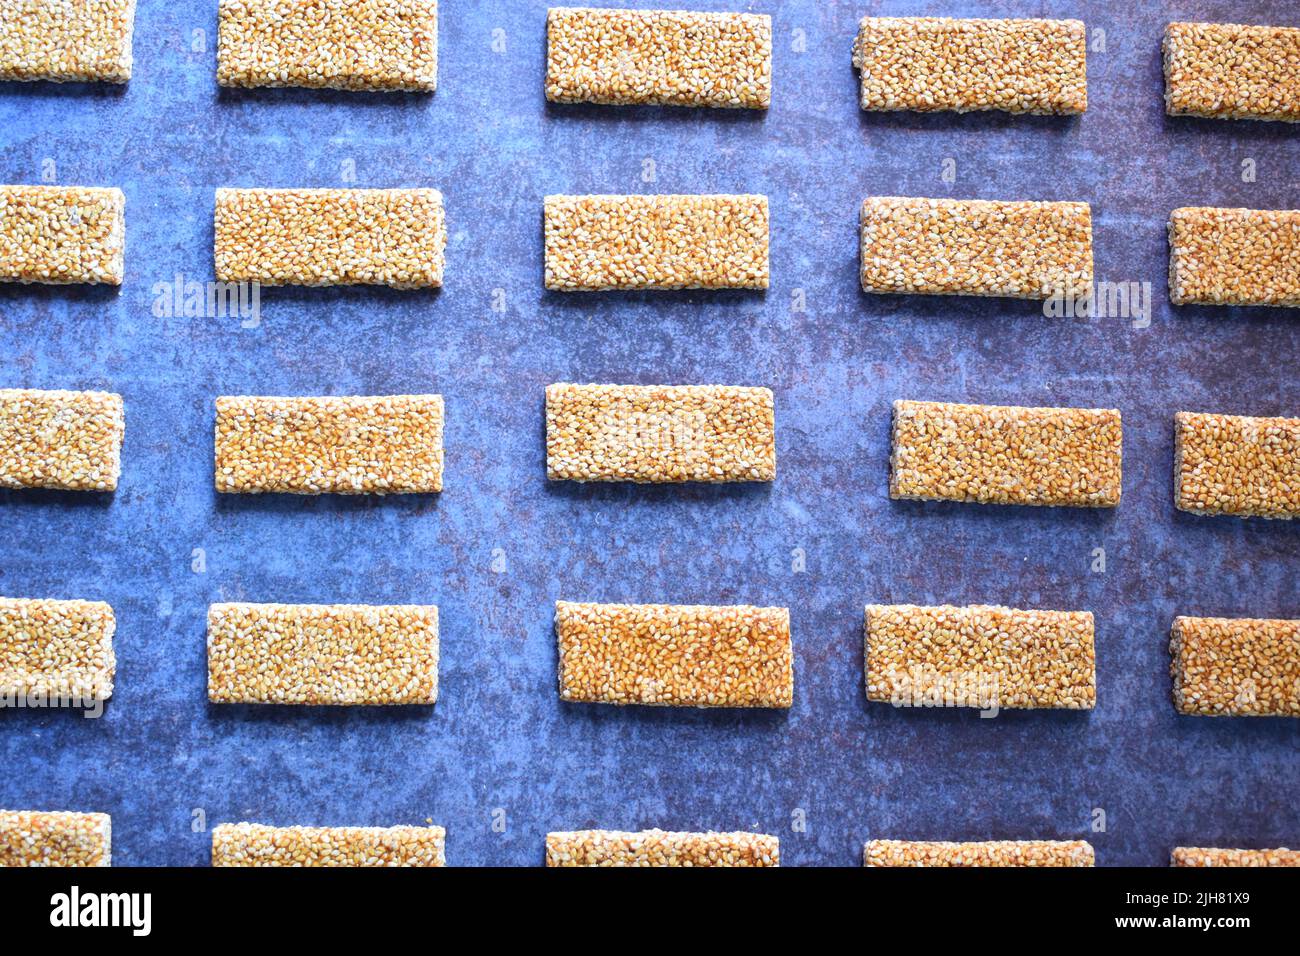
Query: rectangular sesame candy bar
[
  {"x": 62, "y": 234},
  {"x": 344, "y": 445},
  {"x": 992, "y": 853},
  {"x": 660, "y": 433},
  {"x": 596, "y": 243},
  {"x": 1237, "y": 465},
  {"x": 380, "y": 45},
  {"x": 56, "y": 649},
  {"x": 1232, "y": 71},
  {"x": 71, "y": 441},
  {"x": 1235, "y": 667},
  {"x": 314, "y": 237},
  {"x": 675, "y": 655},
  {"x": 1215, "y": 856},
  {"x": 980, "y": 656},
  {"x": 937, "y": 63},
  {"x": 71, "y": 41},
  {"x": 55, "y": 838},
  {"x": 337, "y": 654},
  {"x": 1019, "y": 250},
  {"x": 658, "y": 57},
  {"x": 1006, "y": 454},
  {"x": 661, "y": 848},
  {"x": 253, "y": 844},
  {"x": 1234, "y": 256}
]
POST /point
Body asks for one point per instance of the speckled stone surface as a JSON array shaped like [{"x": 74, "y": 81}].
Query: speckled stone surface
[{"x": 500, "y": 544}]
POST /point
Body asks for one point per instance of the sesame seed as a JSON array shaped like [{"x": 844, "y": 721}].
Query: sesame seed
[
  {"x": 1236, "y": 465},
  {"x": 936, "y": 63},
  {"x": 71, "y": 441},
  {"x": 62, "y": 234},
  {"x": 656, "y": 242},
  {"x": 55, "y": 838},
  {"x": 675, "y": 655},
  {"x": 380, "y": 45},
  {"x": 82, "y": 41},
  {"x": 1232, "y": 71},
  {"x": 1020, "y": 250},
  {"x": 315, "y": 237},
  {"x": 1215, "y": 856},
  {"x": 1006, "y": 454},
  {"x": 253, "y": 844},
  {"x": 345, "y": 445},
  {"x": 1017, "y": 659},
  {"x": 658, "y": 57},
  {"x": 56, "y": 649},
  {"x": 660, "y": 433},
  {"x": 1234, "y": 256},
  {"x": 335, "y": 654},
  {"x": 1235, "y": 667},
  {"x": 660, "y": 848},
  {"x": 993, "y": 853}
]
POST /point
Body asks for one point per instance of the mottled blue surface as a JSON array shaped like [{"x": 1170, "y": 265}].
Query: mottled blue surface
[{"x": 498, "y": 737}]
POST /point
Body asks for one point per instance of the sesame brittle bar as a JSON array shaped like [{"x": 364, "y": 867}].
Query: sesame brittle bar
[
  {"x": 660, "y": 433},
  {"x": 1215, "y": 856},
  {"x": 55, "y": 838},
  {"x": 253, "y": 844},
  {"x": 596, "y": 243},
  {"x": 56, "y": 649},
  {"x": 980, "y": 656},
  {"x": 661, "y": 848},
  {"x": 1232, "y": 71},
  {"x": 378, "y": 45},
  {"x": 1235, "y": 667},
  {"x": 62, "y": 234},
  {"x": 1237, "y": 465},
  {"x": 69, "y": 41},
  {"x": 71, "y": 441},
  {"x": 336, "y": 654},
  {"x": 675, "y": 655},
  {"x": 316, "y": 237},
  {"x": 937, "y": 63},
  {"x": 1234, "y": 256},
  {"x": 993, "y": 853},
  {"x": 1020, "y": 250},
  {"x": 1006, "y": 454},
  {"x": 389, "y": 444},
  {"x": 658, "y": 57}
]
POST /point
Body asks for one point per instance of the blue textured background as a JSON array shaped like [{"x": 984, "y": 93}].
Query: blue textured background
[{"x": 498, "y": 737}]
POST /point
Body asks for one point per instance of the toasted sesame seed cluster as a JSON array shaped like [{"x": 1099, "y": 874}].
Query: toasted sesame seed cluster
[
  {"x": 1235, "y": 667},
  {"x": 62, "y": 234},
  {"x": 1231, "y": 71},
  {"x": 661, "y": 848},
  {"x": 1215, "y": 856},
  {"x": 55, "y": 838},
  {"x": 313, "y": 237},
  {"x": 1006, "y": 454},
  {"x": 596, "y": 243},
  {"x": 1237, "y": 465},
  {"x": 658, "y": 57},
  {"x": 56, "y": 649},
  {"x": 1019, "y": 250},
  {"x": 994, "y": 853},
  {"x": 980, "y": 656},
  {"x": 340, "y": 44},
  {"x": 71, "y": 441},
  {"x": 1234, "y": 256},
  {"x": 937, "y": 63},
  {"x": 83, "y": 41},
  {"x": 336, "y": 654},
  {"x": 675, "y": 655},
  {"x": 253, "y": 844},
  {"x": 344, "y": 445},
  {"x": 660, "y": 433}
]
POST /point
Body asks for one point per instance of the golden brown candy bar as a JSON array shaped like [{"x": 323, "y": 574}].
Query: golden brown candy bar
[
  {"x": 71, "y": 441},
  {"x": 994, "y": 853},
  {"x": 1234, "y": 256},
  {"x": 660, "y": 848},
  {"x": 65, "y": 41},
  {"x": 253, "y": 844},
  {"x": 62, "y": 234},
  {"x": 56, "y": 649},
  {"x": 1232, "y": 71},
  {"x": 55, "y": 838},
  {"x": 1236, "y": 667}
]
